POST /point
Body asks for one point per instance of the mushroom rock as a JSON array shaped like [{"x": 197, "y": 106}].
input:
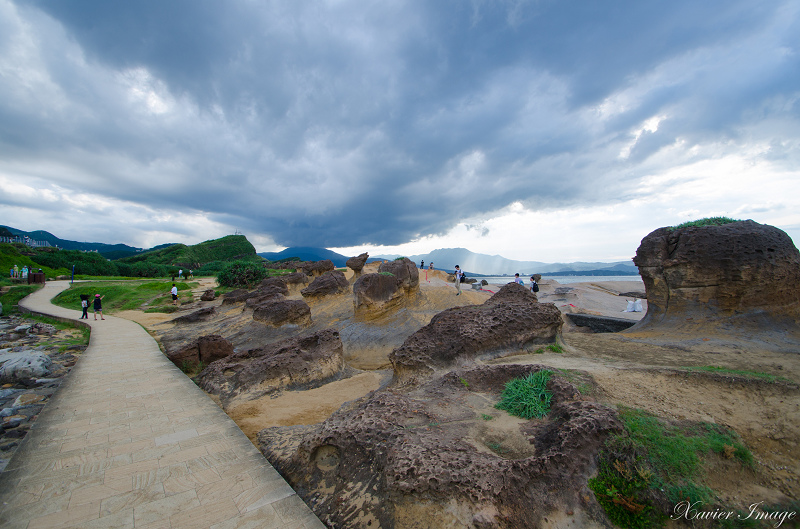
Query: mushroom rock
[{"x": 328, "y": 283}]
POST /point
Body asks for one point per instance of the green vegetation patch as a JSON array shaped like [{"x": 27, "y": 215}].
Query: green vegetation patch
[
  {"x": 708, "y": 221},
  {"x": 739, "y": 373},
  {"x": 527, "y": 397},
  {"x": 242, "y": 274},
  {"x": 10, "y": 299},
  {"x": 124, "y": 295},
  {"x": 653, "y": 463}
]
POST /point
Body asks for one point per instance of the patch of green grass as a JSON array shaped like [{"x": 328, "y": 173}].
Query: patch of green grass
[
  {"x": 497, "y": 448},
  {"x": 708, "y": 221},
  {"x": 10, "y": 299},
  {"x": 738, "y": 372},
  {"x": 486, "y": 417},
  {"x": 464, "y": 382},
  {"x": 654, "y": 460},
  {"x": 556, "y": 348},
  {"x": 122, "y": 295},
  {"x": 527, "y": 397}
]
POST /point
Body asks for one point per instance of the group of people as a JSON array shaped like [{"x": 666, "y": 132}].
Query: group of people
[
  {"x": 97, "y": 305},
  {"x": 459, "y": 274},
  {"x": 16, "y": 273},
  {"x": 534, "y": 285}
]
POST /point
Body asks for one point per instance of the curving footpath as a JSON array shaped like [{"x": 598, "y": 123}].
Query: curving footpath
[{"x": 128, "y": 441}]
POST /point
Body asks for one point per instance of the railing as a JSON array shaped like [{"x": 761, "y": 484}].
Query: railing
[{"x": 25, "y": 240}]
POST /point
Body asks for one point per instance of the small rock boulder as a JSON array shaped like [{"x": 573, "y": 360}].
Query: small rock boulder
[
  {"x": 374, "y": 294},
  {"x": 198, "y": 315},
  {"x": 283, "y": 312},
  {"x": 512, "y": 319},
  {"x": 356, "y": 264},
  {"x": 327, "y": 284},
  {"x": 404, "y": 270},
  {"x": 274, "y": 285},
  {"x": 318, "y": 268},
  {"x": 294, "y": 362},
  {"x": 208, "y": 295},
  {"x": 205, "y": 349},
  {"x": 23, "y": 365},
  {"x": 239, "y": 295}
]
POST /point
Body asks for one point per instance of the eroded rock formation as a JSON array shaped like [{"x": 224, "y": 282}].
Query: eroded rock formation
[
  {"x": 429, "y": 458},
  {"x": 742, "y": 272},
  {"x": 374, "y": 294},
  {"x": 205, "y": 349},
  {"x": 317, "y": 268},
  {"x": 294, "y": 362},
  {"x": 356, "y": 264},
  {"x": 404, "y": 270},
  {"x": 327, "y": 284},
  {"x": 512, "y": 319},
  {"x": 278, "y": 312}
]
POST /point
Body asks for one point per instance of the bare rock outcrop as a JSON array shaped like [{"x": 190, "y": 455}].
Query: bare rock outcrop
[
  {"x": 356, "y": 264},
  {"x": 406, "y": 459},
  {"x": 238, "y": 295},
  {"x": 404, "y": 270},
  {"x": 327, "y": 284},
  {"x": 275, "y": 284},
  {"x": 198, "y": 315},
  {"x": 205, "y": 349},
  {"x": 294, "y": 362},
  {"x": 742, "y": 274},
  {"x": 278, "y": 312},
  {"x": 317, "y": 268},
  {"x": 375, "y": 294},
  {"x": 511, "y": 319},
  {"x": 208, "y": 295}
]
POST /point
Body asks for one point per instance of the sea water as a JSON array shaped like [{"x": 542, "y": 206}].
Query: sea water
[{"x": 563, "y": 280}]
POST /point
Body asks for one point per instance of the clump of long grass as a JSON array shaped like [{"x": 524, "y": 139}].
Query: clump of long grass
[{"x": 527, "y": 397}]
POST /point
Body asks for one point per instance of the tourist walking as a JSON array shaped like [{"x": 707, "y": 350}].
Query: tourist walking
[
  {"x": 534, "y": 285},
  {"x": 85, "y": 306},
  {"x": 174, "y": 293},
  {"x": 458, "y": 273},
  {"x": 98, "y": 306}
]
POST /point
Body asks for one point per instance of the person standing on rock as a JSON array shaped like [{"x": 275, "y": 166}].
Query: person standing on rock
[
  {"x": 98, "y": 306},
  {"x": 458, "y": 273},
  {"x": 422, "y": 264},
  {"x": 174, "y": 293}
]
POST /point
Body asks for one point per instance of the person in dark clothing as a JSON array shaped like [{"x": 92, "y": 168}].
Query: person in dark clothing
[
  {"x": 85, "y": 306},
  {"x": 98, "y": 306}
]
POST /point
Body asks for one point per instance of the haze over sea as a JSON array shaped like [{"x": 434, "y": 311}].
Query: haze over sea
[{"x": 502, "y": 280}]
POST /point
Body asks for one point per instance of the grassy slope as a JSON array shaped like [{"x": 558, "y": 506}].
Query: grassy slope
[{"x": 229, "y": 248}]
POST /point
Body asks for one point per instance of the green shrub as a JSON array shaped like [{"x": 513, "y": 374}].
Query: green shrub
[
  {"x": 242, "y": 274},
  {"x": 527, "y": 397},
  {"x": 708, "y": 221}
]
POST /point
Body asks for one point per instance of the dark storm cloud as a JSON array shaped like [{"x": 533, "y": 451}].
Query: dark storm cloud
[{"x": 355, "y": 122}]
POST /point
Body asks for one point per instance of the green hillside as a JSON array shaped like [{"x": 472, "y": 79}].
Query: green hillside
[{"x": 228, "y": 248}]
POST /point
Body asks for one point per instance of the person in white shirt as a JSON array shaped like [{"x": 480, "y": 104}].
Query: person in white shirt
[
  {"x": 174, "y": 293},
  {"x": 458, "y": 273}
]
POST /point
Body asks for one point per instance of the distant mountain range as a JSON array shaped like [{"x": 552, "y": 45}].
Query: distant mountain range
[
  {"x": 443, "y": 259},
  {"x": 473, "y": 263}
]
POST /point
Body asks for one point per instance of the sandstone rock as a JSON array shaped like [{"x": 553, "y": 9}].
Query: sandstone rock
[
  {"x": 318, "y": 268},
  {"x": 511, "y": 319},
  {"x": 357, "y": 263},
  {"x": 274, "y": 285},
  {"x": 205, "y": 349},
  {"x": 374, "y": 294},
  {"x": 208, "y": 295},
  {"x": 404, "y": 270},
  {"x": 282, "y": 312},
  {"x": 295, "y": 278},
  {"x": 741, "y": 272},
  {"x": 198, "y": 315},
  {"x": 289, "y": 363},
  {"x": 328, "y": 283},
  {"x": 420, "y": 453},
  {"x": 237, "y": 296}
]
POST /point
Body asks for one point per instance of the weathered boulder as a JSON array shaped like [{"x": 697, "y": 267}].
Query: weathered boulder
[
  {"x": 294, "y": 362},
  {"x": 237, "y": 296},
  {"x": 317, "y": 268},
  {"x": 404, "y": 270},
  {"x": 742, "y": 271},
  {"x": 356, "y": 264},
  {"x": 274, "y": 285},
  {"x": 413, "y": 456},
  {"x": 512, "y": 319},
  {"x": 278, "y": 312},
  {"x": 328, "y": 283},
  {"x": 295, "y": 278},
  {"x": 374, "y": 294},
  {"x": 205, "y": 349},
  {"x": 198, "y": 315},
  {"x": 209, "y": 295},
  {"x": 20, "y": 365}
]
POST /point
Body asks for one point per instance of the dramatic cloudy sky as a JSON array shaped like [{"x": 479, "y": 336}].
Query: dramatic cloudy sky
[{"x": 548, "y": 130}]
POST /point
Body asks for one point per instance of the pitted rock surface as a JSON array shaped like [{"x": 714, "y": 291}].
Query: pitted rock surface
[
  {"x": 381, "y": 457},
  {"x": 294, "y": 362},
  {"x": 238, "y": 296},
  {"x": 356, "y": 264},
  {"x": 208, "y": 295},
  {"x": 280, "y": 311},
  {"x": 198, "y": 315},
  {"x": 295, "y": 278},
  {"x": 205, "y": 349},
  {"x": 743, "y": 271},
  {"x": 374, "y": 294},
  {"x": 273, "y": 285},
  {"x": 327, "y": 284},
  {"x": 512, "y": 319},
  {"x": 317, "y": 268},
  {"x": 404, "y": 270}
]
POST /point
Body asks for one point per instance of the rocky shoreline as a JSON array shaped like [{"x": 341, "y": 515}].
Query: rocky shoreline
[{"x": 34, "y": 359}]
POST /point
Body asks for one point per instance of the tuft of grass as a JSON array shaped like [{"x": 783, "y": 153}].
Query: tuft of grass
[
  {"x": 708, "y": 221},
  {"x": 653, "y": 462},
  {"x": 556, "y": 348},
  {"x": 386, "y": 274},
  {"x": 464, "y": 382},
  {"x": 527, "y": 397},
  {"x": 486, "y": 417}
]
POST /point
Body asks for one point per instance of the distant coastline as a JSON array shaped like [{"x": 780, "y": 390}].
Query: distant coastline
[{"x": 562, "y": 279}]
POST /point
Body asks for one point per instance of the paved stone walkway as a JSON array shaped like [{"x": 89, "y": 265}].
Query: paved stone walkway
[{"x": 128, "y": 441}]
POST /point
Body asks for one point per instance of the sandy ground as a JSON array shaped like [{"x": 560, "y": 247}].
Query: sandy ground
[{"x": 628, "y": 371}]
